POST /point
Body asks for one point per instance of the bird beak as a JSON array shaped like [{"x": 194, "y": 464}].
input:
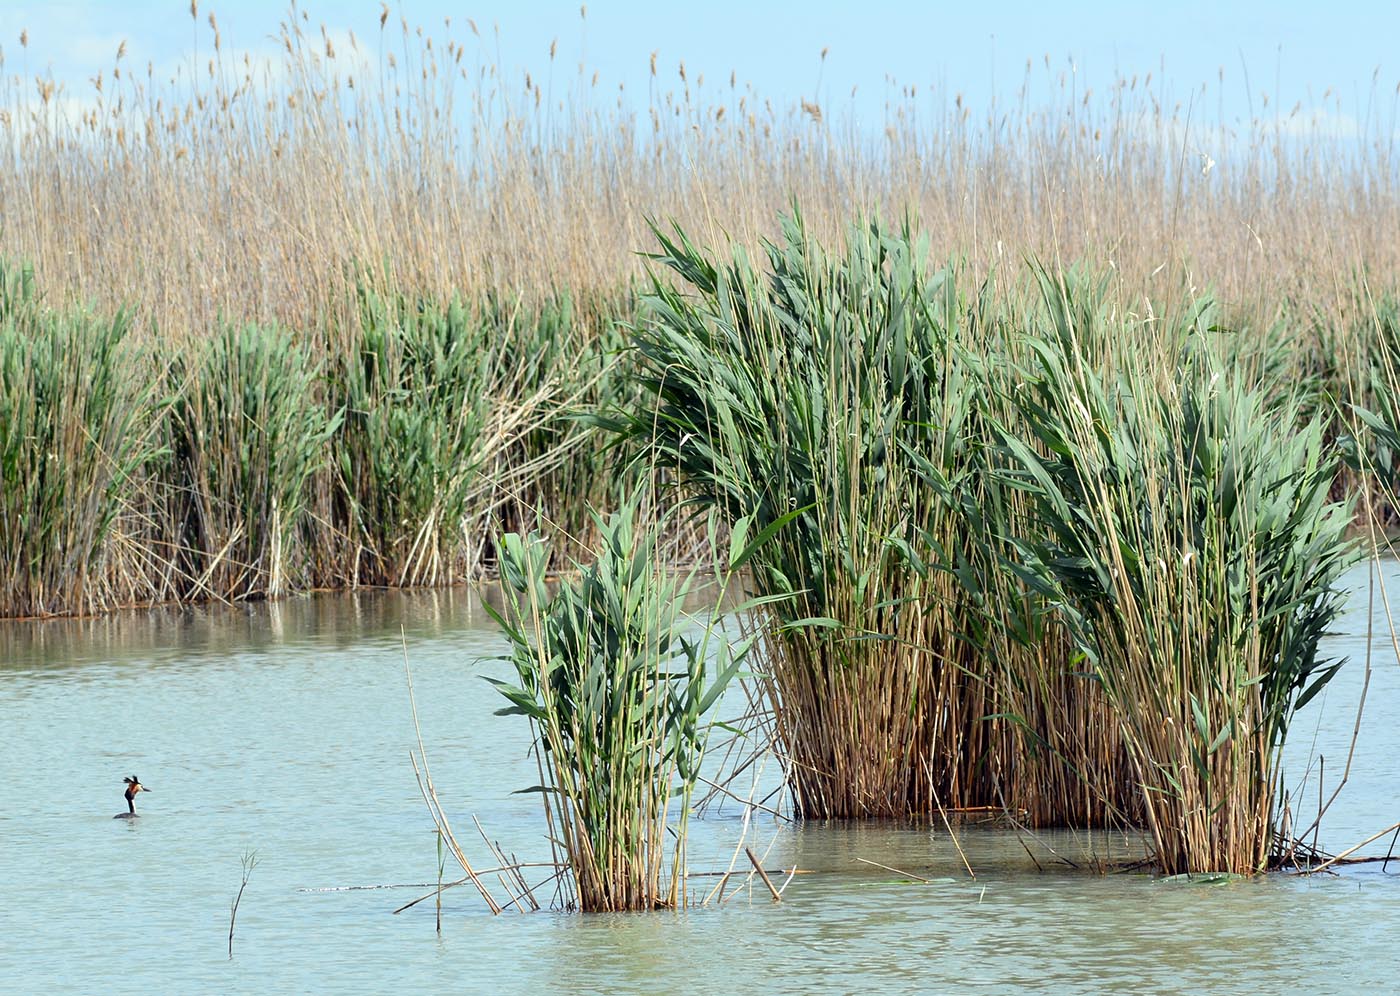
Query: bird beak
[{"x": 144, "y": 789}]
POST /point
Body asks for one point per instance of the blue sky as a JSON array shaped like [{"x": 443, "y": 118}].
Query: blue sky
[{"x": 1291, "y": 51}]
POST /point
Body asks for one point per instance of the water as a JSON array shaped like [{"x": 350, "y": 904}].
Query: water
[{"x": 285, "y": 729}]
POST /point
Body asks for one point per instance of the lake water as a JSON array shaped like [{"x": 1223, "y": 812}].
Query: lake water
[{"x": 284, "y": 729}]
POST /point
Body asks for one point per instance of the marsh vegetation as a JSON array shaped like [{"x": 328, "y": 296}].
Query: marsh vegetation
[{"x": 1054, "y": 477}]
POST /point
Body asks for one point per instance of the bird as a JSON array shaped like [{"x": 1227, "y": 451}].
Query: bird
[{"x": 133, "y": 785}]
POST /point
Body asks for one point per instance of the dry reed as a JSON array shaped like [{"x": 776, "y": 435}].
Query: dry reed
[{"x": 251, "y": 188}]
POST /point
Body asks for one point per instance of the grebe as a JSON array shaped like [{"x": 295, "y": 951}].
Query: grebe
[{"x": 133, "y": 785}]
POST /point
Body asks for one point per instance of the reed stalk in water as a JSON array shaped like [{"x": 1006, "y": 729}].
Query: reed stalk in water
[
  {"x": 617, "y": 687},
  {"x": 1188, "y": 539}
]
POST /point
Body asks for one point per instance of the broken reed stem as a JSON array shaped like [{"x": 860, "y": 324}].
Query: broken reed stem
[
  {"x": 897, "y": 871},
  {"x": 425, "y": 787},
  {"x": 508, "y": 868},
  {"x": 722, "y": 790},
  {"x": 758, "y": 867},
  {"x": 787, "y": 881},
  {"x": 450, "y": 885},
  {"x": 1351, "y": 850},
  {"x": 952, "y": 836},
  {"x": 717, "y": 893}
]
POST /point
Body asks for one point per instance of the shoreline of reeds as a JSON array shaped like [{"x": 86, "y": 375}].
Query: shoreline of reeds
[
  {"x": 264, "y": 460},
  {"x": 421, "y": 227}
]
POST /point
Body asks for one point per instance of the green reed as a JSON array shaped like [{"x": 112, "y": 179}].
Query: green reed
[
  {"x": 797, "y": 390},
  {"x": 579, "y": 340},
  {"x": 439, "y": 404},
  {"x": 74, "y": 430},
  {"x": 248, "y": 430},
  {"x": 1189, "y": 542},
  {"x": 617, "y": 684}
]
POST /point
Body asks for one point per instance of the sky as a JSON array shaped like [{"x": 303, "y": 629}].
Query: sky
[{"x": 1288, "y": 51}]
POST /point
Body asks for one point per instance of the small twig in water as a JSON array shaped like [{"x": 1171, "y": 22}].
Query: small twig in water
[
  {"x": 897, "y": 871},
  {"x": 1351, "y": 850},
  {"x": 250, "y": 861},
  {"x": 442, "y": 864}
]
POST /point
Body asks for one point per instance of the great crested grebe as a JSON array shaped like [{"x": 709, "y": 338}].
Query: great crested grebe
[{"x": 133, "y": 785}]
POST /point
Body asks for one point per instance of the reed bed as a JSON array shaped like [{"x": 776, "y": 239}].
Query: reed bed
[
  {"x": 254, "y": 187},
  {"x": 349, "y": 189},
  {"x": 1043, "y": 555},
  {"x": 248, "y": 465},
  {"x": 1043, "y": 537}
]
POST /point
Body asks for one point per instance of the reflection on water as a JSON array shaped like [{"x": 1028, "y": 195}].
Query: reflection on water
[
  {"x": 181, "y": 632},
  {"x": 284, "y": 728}
]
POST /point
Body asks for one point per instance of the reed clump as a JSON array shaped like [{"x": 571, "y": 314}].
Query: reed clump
[
  {"x": 248, "y": 429},
  {"x": 1373, "y": 417},
  {"x": 1188, "y": 539},
  {"x": 261, "y": 460},
  {"x": 783, "y": 390},
  {"x": 617, "y": 684},
  {"x": 73, "y": 439},
  {"x": 575, "y": 342},
  {"x": 857, "y": 393}
]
